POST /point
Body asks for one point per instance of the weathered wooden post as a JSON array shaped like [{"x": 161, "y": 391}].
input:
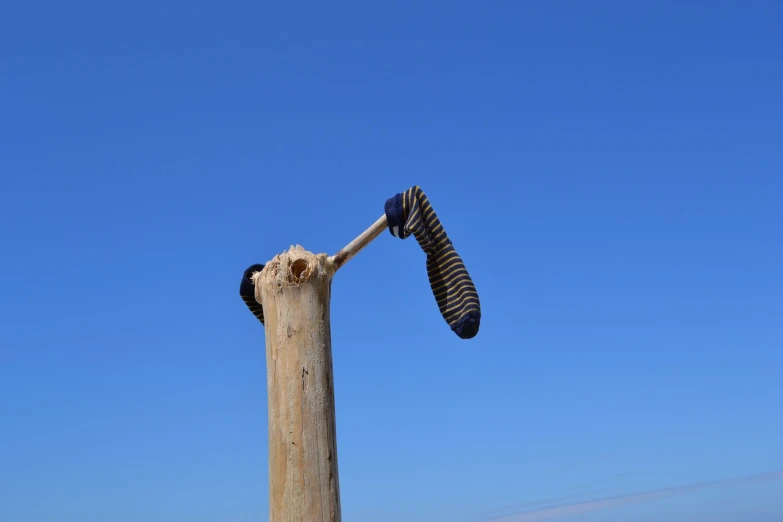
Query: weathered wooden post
[
  {"x": 290, "y": 296},
  {"x": 294, "y": 290}
]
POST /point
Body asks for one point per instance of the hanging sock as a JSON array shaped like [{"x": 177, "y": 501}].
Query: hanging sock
[
  {"x": 247, "y": 291},
  {"x": 409, "y": 213}
]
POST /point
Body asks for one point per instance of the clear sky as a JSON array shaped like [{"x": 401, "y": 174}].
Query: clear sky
[{"x": 610, "y": 172}]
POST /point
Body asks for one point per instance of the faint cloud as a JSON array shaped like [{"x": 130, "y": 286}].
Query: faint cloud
[
  {"x": 589, "y": 488},
  {"x": 605, "y": 480},
  {"x": 554, "y": 512}
]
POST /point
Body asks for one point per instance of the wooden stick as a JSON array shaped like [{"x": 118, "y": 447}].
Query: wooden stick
[
  {"x": 295, "y": 289},
  {"x": 353, "y": 248}
]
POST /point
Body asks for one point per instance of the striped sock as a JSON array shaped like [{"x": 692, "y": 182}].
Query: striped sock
[
  {"x": 409, "y": 213},
  {"x": 247, "y": 291}
]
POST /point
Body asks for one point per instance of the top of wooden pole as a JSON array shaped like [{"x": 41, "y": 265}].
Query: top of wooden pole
[
  {"x": 292, "y": 268},
  {"x": 300, "y": 269}
]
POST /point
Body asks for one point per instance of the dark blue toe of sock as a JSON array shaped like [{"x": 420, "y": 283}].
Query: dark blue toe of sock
[{"x": 468, "y": 326}]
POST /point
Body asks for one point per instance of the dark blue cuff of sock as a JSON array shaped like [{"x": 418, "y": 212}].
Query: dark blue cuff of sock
[
  {"x": 468, "y": 326},
  {"x": 395, "y": 215},
  {"x": 246, "y": 287}
]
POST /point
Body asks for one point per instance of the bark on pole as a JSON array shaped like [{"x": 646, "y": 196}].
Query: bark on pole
[{"x": 294, "y": 289}]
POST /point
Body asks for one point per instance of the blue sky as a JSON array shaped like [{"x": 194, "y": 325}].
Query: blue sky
[{"x": 610, "y": 173}]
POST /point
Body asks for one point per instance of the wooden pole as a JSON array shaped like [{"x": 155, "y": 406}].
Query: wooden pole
[{"x": 294, "y": 289}]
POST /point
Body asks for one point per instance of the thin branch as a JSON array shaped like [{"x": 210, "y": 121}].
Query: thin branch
[{"x": 353, "y": 248}]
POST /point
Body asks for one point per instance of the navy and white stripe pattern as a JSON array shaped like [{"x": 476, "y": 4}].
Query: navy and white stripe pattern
[
  {"x": 409, "y": 213},
  {"x": 247, "y": 291}
]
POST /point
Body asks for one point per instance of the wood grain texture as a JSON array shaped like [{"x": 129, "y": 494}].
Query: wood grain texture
[{"x": 295, "y": 289}]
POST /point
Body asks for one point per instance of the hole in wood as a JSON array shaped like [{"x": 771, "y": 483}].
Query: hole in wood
[{"x": 299, "y": 269}]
